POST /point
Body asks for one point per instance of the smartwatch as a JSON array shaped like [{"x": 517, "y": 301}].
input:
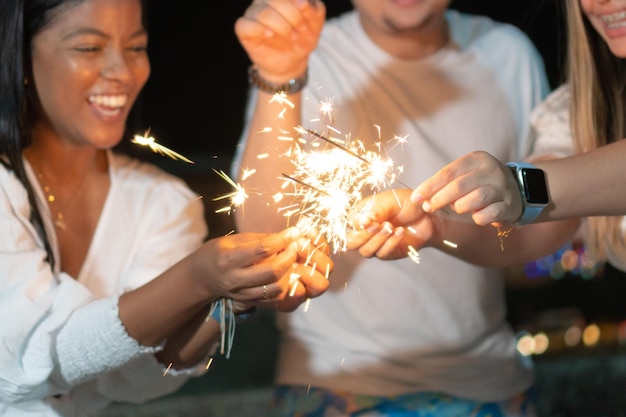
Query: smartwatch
[{"x": 534, "y": 191}]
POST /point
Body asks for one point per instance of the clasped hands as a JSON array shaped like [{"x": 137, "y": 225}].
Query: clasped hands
[
  {"x": 278, "y": 270},
  {"x": 476, "y": 184}
]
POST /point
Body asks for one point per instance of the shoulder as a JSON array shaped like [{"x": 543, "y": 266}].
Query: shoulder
[
  {"x": 13, "y": 196},
  {"x": 553, "y": 112},
  {"x": 483, "y": 33},
  {"x": 550, "y": 123}
]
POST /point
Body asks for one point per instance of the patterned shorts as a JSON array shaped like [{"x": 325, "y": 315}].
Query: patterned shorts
[{"x": 294, "y": 401}]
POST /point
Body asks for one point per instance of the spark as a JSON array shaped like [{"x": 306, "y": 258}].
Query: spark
[
  {"x": 414, "y": 255},
  {"x": 327, "y": 111},
  {"x": 150, "y": 142},
  {"x": 330, "y": 181},
  {"x": 237, "y": 197},
  {"x": 294, "y": 279},
  {"x": 451, "y": 244},
  {"x": 247, "y": 173},
  {"x": 281, "y": 98},
  {"x": 167, "y": 369}
]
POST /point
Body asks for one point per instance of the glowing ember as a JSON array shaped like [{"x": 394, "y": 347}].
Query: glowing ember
[
  {"x": 150, "y": 142},
  {"x": 237, "y": 197},
  {"x": 329, "y": 181}
]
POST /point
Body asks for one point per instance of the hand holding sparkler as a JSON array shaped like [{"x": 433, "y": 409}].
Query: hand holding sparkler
[
  {"x": 389, "y": 226},
  {"x": 258, "y": 269},
  {"x": 476, "y": 183}
]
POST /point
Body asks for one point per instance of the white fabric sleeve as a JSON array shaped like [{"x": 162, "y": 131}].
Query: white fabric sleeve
[
  {"x": 551, "y": 134},
  {"x": 95, "y": 339}
]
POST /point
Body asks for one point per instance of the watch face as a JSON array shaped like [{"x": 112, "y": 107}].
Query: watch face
[{"x": 535, "y": 186}]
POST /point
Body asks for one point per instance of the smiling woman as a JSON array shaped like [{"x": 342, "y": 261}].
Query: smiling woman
[{"x": 92, "y": 239}]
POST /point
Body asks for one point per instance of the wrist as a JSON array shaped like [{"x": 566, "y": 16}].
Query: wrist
[
  {"x": 533, "y": 190},
  {"x": 222, "y": 309},
  {"x": 276, "y": 85}
]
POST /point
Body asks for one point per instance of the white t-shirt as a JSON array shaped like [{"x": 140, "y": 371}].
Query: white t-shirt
[
  {"x": 394, "y": 327},
  {"x": 63, "y": 349}
]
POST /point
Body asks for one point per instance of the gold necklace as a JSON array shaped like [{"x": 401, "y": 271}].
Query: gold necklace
[{"x": 59, "y": 221}]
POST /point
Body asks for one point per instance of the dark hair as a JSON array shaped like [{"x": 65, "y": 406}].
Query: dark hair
[{"x": 20, "y": 22}]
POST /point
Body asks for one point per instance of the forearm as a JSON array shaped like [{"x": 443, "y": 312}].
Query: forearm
[
  {"x": 588, "y": 184},
  {"x": 271, "y": 134},
  {"x": 155, "y": 311},
  {"x": 191, "y": 343},
  {"x": 489, "y": 246}
]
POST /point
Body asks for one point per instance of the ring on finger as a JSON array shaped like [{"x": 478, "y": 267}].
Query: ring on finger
[{"x": 266, "y": 292}]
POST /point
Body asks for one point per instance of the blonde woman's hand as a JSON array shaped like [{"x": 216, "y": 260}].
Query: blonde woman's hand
[{"x": 478, "y": 184}]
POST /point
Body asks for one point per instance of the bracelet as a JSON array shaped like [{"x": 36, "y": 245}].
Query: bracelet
[
  {"x": 245, "y": 315},
  {"x": 292, "y": 86},
  {"x": 216, "y": 313}
]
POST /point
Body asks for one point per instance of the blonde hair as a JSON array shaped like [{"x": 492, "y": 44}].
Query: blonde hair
[{"x": 597, "y": 81}]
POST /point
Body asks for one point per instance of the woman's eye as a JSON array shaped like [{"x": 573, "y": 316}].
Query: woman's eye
[
  {"x": 90, "y": 48},
  {"x": 139, "y": 48}
]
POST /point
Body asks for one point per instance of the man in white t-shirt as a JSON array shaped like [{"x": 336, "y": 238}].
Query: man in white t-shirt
[{"x": 391, "y": 337}]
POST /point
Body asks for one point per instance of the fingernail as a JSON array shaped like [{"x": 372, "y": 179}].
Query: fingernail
[
  {"x": 399, "y": 232},
  {"x": 364, "y": 221},
  {"x": 427, "y": 207},
  {"x": 387, "y": 228},
  {"x": 293, "y": 232},
  {"x": 372, "y": 228},
  {"x": 417, "y": 198}
]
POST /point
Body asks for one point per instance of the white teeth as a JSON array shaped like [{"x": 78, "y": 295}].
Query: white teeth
[
  {"x": 617, "y": 25},
  {"x": 109, "y": 101},
  {"x": 613, "y": 19}
]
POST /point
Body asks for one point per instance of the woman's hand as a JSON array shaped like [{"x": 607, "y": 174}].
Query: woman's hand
[
  {"x": 278, "y": 270},
  {"x": 476, "y": 183}
]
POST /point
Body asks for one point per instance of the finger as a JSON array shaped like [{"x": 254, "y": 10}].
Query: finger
[
  {"x": 393, "y": 248},
  {"x": 317, "y": 258},
  {"x": 314, "y": 12},
  {"x": 281, "y": 17},
  {"x": 378, "y": 208},
  {"x": 268, "y": 272},
  {"x": 475, "y": 200},
  {"x": 454, "y": 170},
  {"x": 312, "y": 280},
  {"x": 360, "y": 237},
  {"x": 248, "y": 30},
  {"x": 272, "y": 244},
  {"x": 377, "y": 241}
]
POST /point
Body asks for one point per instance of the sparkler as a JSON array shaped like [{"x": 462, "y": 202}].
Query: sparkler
[
  {"x": 236, "y": 197},
  {"x": 330, "y": 181},
  {"x": 150, "y": 142}
]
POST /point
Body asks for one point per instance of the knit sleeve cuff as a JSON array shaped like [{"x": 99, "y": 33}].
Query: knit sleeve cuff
[{"x": 94, "y": 341}]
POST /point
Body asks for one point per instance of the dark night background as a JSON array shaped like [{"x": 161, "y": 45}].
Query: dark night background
[{"x": 194, "y": 104}]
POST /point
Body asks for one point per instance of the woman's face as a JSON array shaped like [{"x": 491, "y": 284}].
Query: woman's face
[
  {"x": 608, "y": 17},
  {"x": 89, "y": 65}
]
